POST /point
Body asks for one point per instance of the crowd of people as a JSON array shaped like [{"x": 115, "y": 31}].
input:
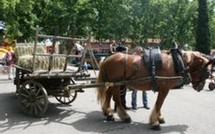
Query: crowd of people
[
  {"x": 8, "y": 62},
  {"x": 8, "y": 59}
]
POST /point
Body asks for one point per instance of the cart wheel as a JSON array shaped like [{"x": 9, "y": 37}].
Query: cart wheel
[
  {"x": 68, "y": 95},
  {"x": 33, "y": 98},
  {"x": 17, "y": 80},
  {"x": 211, "y": 86}
]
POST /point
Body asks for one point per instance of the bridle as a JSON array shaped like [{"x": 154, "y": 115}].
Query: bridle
[{"x": 203, "y": 70}]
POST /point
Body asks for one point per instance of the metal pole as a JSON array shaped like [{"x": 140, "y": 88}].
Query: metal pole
[{"x": 110, "y": 84}]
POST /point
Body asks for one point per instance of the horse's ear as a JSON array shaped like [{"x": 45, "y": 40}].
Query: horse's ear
[
  {"x": 190, "y": 56},
  {"x": 187, "y": 57},
  {"x": 199, "y": 59}
]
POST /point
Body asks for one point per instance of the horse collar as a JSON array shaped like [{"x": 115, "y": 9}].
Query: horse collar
[{"x": 179, "y": 65}]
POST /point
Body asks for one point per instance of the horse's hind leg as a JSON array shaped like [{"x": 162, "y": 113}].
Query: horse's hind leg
[
  {"x": 119, "y": 107},
  {"x": 106, "y": 108}
]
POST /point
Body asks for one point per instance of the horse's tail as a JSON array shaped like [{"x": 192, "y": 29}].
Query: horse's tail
[{"x": 101, "y": 90}]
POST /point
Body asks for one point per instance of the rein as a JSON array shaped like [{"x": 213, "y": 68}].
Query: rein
[{"x": 126, "y": 62}]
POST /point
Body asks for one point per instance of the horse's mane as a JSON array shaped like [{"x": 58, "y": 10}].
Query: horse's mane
[{"x": 189, "y": 56}]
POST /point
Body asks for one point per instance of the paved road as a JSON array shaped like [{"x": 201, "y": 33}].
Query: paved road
[{"x": 186, "y": 112}]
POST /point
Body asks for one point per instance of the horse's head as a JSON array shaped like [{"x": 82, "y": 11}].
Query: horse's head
[{"x": 198, "y": 68}]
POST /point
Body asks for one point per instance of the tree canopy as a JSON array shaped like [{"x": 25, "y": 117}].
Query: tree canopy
[{"x": 178, "y": 20}]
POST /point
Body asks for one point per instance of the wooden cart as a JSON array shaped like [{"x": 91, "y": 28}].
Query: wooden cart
[{"x": 33, "y": 87}]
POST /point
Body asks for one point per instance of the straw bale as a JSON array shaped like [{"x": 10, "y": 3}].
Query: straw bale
[
  {"x": 25, "y": 61},
  {"x": 28, "y": 50},
  {"x": 41, "y": 62},
  {"x": 24, "y": 55}
]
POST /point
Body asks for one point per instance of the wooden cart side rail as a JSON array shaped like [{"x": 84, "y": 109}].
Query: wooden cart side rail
[
  {"x": 50, "y": 75},
  {"x": 109, "y": 84},
  {"x": 21, "y": 68},
  {"x": 57, "y": 55},
  {"x": 61, "y": 38},
  {"x": 38, "y": 72}
]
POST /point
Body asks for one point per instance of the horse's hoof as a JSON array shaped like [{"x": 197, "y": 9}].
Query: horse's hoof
[
  {"x": 105, "y": 113},
  {"x": 109, "y": 118},
  {"x": 161, "y": 120},
  {"x": 156, "y": 127},
  {"x": 127, "y": 120}
]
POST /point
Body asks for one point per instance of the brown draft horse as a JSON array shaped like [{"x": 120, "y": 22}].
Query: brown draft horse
[{"x": 121, "y": 66}]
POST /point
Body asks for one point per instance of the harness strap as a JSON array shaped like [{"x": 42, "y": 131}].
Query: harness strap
[
  {"x": 154, "y": 80},
  {"x": 210, "y": 62},
  {"x": 124, "y": 87},
  {"x": 179, "y": 65}
]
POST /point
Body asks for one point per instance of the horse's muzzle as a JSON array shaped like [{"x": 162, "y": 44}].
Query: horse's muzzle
[{"x": 200, "y": 86}]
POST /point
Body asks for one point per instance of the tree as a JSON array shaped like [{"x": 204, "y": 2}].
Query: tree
[
  {"x": 211, "y": 14},
  {"x": 18, "y": 17},
  {"x": 112, "y": 19},
  {"x": 137, "y": 20},
  {"x": 203, "y": 32}
]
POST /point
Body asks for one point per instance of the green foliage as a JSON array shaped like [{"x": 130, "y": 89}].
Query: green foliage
[
  {"x": 112, "y": 19},
  {"x": 107, "y": 19},
  {"x": 18, "y": 17},
  {"x": 203, "y": 32},
  {"x": 211, "y": 13}
]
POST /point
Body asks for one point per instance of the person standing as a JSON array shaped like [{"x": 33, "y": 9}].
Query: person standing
[
  {"x": 134, "y": 99},
  {"x": 77, "y": 50},
  {"x": 9, "y": 63},
  {"x": 114, "y": 48},
  {"x": 138, "y": 51},
  {"x": 85, "y": 67}
]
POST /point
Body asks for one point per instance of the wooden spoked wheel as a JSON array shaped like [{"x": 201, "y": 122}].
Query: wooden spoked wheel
[
  {"x": 17, "y": 80},
  {"x": 68, "y": 95},
  {"x": 33, "y": 98},
  {"x": 211, "y": 86}
]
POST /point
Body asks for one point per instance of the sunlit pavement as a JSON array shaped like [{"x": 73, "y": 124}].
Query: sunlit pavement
[{"x": 186, "y": 111}]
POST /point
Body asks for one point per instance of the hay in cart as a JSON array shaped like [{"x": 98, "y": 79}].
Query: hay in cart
[{"x": 24, "y": 59}]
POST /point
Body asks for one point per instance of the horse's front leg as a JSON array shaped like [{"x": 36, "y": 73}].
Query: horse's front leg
[
  {"x": 106, "y": 107},
  {"x": 155, "y": 118},
  {"x": 119, "y": 107}
]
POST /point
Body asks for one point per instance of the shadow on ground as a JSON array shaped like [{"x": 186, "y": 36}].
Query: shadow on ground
[{"x": 12, "y": 118}]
